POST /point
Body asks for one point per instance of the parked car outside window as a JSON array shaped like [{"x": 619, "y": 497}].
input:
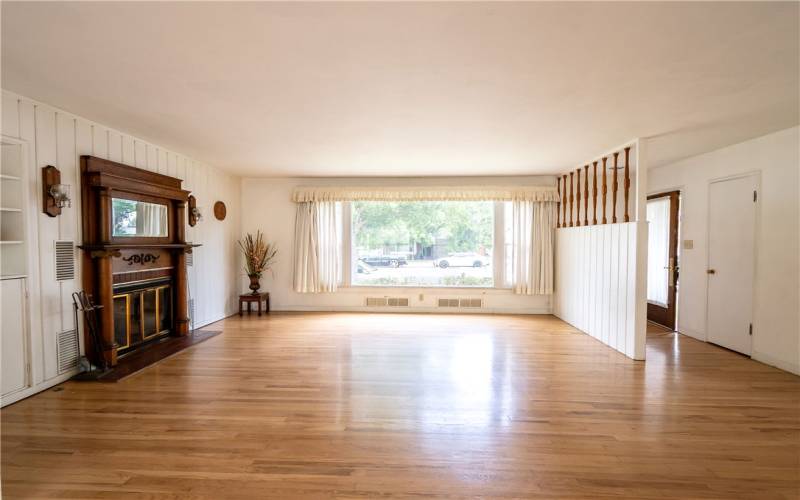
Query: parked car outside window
[{"x": 462, "y": 259}]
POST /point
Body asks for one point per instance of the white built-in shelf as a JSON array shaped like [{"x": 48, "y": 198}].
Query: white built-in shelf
[
  {"x": 9, "y": 209},
  {"x": 11, "y": 242},
  {"x": 7, "y": 177}
]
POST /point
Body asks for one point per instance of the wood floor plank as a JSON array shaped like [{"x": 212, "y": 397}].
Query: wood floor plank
[{"x": 362, "y": 406}]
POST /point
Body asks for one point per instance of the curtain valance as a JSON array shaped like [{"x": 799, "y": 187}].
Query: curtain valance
[{"x": 465, "y": 193}]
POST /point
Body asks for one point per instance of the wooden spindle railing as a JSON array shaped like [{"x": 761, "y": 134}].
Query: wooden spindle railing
[
  {"x": 605, "y": 190},
  {"x": 564, "y": 203},
  {"x": 586, "y": 195},
  {"x": 558, "y": 205},
  {"x": 627, "y": 217},
  {"x": 614, "y": 191},
  {"x": 578, "y": 197},
  {"x": 576, "y": 192},
  {"x": 594, "y": 193},
  {"x": 571, "y": 198}
]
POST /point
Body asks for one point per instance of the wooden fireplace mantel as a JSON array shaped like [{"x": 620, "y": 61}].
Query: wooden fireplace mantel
[{"x": 110, "y": 261}]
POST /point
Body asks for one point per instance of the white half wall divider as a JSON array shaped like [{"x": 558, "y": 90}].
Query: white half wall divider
[
  {"x": 596, "y": 282},
  {"x": 601, "y": 261}
]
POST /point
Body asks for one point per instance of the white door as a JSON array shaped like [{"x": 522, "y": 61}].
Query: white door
[
  {"x": 731, "y": 261},
  {"x": 14, "y": 354}
]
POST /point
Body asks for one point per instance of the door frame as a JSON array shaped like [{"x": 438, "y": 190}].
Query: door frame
[
  {"x": 676, "y": 213},
  {"x": 756, "y": 174}
]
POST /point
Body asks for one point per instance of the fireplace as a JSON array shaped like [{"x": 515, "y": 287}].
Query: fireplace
[
  {"x": 142, "y": 313},
  {"x": 134, "y": 255}
]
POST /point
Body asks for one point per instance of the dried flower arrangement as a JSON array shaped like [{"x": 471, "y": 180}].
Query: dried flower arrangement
[{"x": 259, "y": 256}]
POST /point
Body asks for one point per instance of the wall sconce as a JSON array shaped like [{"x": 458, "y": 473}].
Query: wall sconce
[
  {"x": 195, "y": 215},
  {"x": 54, "y": 194}
]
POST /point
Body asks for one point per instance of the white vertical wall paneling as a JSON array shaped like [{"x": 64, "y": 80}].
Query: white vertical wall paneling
[
  {"x": 599, "y": 299},
  {"x": 58, "y": 138},
  {"x": 128, "y": 151},
  {"x": 67, "y": 164},
  {"x": 10, "y": 117},
  {"x": 151, "y": 153},
  {"x": 100, "y": 141},
  {"x": 27, "y": 133},
  {"x": 139, "y": 154},
  {"x": 45, "y": 120},
  {"x": 114, "y": 146},
  {"x": 162, "y": 162}
]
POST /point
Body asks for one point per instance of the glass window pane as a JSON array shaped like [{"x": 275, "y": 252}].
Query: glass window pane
[
  {"x": 164, "y": 309},
  {"x": 138, "y": 218},
  {"x": 121, "y": 321},
  {"x": 149, "y": 312},
  {"x": 136, "y": 317},
  {"x": 424, "y": 243},
  {"x": 658, "y": 251}
]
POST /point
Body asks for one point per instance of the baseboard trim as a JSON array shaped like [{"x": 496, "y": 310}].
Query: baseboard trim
[
  {"x": 695, "y": 335},
  {"x": 432, "y": 310},
  {"x": 42, "y": 386},
  {"x": 777, "y": 363}
]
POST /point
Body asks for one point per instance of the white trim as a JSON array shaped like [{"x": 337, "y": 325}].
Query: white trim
[
  {"x": 777, "y": 363},
  {"x": 43, "y": 386},
  {"x": 701, "y": 336}
]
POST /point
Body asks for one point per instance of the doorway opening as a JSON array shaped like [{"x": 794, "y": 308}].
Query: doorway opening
[{"x": 663, "y": 266}]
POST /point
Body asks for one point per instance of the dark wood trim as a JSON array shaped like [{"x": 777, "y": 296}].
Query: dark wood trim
[
  {"x": 626, "y": 216},
  {"x": 578, "y": 198},
  {"x": 594, "y": 194},
  {"x": 564, "y": 203},
  {"x": 571, "y": 198},
  {"x": 558, "y": 205},
  {"x": 586, "y": 195},
  {"x": 614, "y": 190}
]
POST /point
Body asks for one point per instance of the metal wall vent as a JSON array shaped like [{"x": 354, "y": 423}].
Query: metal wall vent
[
  {"x": 191, "y": 309},
  {"x": 65, "y": 260},
  {"x": 189, "y": 259},
  {"x": 397, "y": 301},
  {"x": 376, "y": 301},
  {"x": 68, "y": 350},
  {"x": 471, "y": 302}
]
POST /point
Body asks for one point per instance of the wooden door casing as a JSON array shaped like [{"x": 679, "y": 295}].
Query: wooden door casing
[{"x": 666, "y": 316}]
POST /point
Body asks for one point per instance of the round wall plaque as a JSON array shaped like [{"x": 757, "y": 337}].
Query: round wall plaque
[{"x": 220, "y": 211}]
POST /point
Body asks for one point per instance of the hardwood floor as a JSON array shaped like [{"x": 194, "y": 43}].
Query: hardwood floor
[{"x": 398, "y": 406}]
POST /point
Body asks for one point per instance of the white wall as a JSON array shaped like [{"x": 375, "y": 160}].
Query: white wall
[
  {"x": 270, "y": 209},
  {"x": 776, "y": 327},
  {"x": 55, "y": 137}
]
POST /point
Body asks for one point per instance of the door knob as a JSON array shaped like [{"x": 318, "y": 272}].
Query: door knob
[{"x": 712, "y": 271}]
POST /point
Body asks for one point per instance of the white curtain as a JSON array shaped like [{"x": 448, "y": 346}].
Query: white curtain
[
  {"x": 658, "y": 251},
  {"x": 533, "y": 247},
  {"x": 317, "y": 259},
  {"x": 151, "y": 219}
]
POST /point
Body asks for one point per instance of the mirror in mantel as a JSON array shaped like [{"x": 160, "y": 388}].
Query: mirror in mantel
[{"x": 138, "y": 219}]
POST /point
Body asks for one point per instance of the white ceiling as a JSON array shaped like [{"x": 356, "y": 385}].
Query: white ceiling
[{"x": 267, "y": 89}]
